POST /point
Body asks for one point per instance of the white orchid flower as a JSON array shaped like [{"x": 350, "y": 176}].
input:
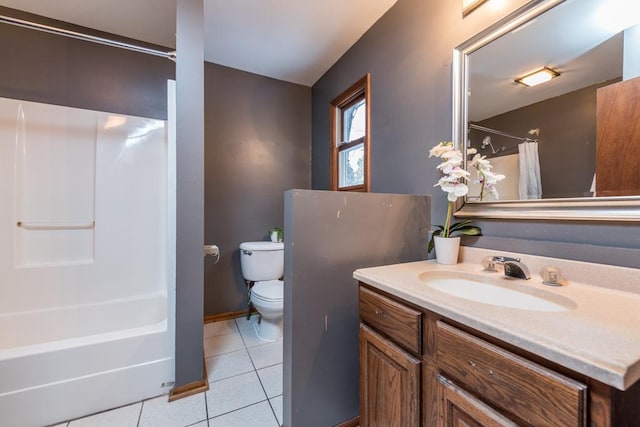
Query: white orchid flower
[
  {"x": 452, "y": 183},
  {"x": 448, "y": 166},
  {"x": 455, "y": 189},
  {"x": 480, "y": 162},
  {"x": 493, "y": 191},
  {"x": 486, "y": 177},
  {"x": 457, "y": 173},
  {"x": 440, "y": 149},
  {"x": 452, "y": 187},
  {"x": 492, "y": 178}
]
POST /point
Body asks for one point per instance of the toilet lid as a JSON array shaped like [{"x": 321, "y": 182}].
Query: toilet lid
[
  {"x": 269, "y": 290},
  {"x": 262, "y": 246}
]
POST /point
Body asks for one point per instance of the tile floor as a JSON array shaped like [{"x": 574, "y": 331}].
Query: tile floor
[{"x": 245, "y": 387}]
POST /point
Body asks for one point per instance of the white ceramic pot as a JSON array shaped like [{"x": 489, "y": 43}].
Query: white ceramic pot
[{"x": 447, "y": 249}]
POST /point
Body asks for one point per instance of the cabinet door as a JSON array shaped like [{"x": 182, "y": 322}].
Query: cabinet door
[
  {"x": 527, "y": 391},
  {"x": 389, "y": 383},
  {"x": 460, "y": 409}
]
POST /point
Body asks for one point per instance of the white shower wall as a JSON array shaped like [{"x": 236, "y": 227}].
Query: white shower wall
[
  {"x": 84, "y": 211},
  {"x": 87, "y": 261}
]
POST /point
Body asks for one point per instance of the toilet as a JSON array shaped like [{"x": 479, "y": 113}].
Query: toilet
[{"x": 263, "y": 265}]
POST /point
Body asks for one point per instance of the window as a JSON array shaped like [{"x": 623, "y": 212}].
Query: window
[{"x": 350, "y": 138}]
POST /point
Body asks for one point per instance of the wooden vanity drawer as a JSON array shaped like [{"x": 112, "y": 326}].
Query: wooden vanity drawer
[
  {"x": 399, "y": 322},
  {"x": 517, "y": 386}
]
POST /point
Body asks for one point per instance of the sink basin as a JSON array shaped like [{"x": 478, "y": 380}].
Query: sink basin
[{"x": 474, "y": 289}]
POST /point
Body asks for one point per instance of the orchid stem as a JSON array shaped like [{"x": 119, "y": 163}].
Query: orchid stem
[{"x": 448, "y": 221}]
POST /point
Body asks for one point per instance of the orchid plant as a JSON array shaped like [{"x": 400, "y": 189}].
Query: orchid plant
[
  {"x": 486, "y": 177},
  {"x": 454, "y": 184}
]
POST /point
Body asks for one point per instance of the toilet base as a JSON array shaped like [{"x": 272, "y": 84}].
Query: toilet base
[{"x": 268, "y": 330}]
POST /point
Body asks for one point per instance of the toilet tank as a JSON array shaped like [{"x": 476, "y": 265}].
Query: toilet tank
[{"x": 262, "y": 260}]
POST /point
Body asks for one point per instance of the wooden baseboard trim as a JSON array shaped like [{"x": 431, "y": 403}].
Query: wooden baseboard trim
[
  {"x": 354, "y": 422},
  {"x": 226, "y": 316},
  {"x": 190, "y": 389}
]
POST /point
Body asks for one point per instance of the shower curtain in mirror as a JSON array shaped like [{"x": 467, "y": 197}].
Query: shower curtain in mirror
[{"x": 530, "y": 185}]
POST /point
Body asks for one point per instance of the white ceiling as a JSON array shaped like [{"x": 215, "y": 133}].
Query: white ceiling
[
  {"x": 292, "y": 40},
  {"x": 578, "y": 38}
]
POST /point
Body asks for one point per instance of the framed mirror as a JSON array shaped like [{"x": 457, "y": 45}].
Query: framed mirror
[{"x": 556, "y": 131}]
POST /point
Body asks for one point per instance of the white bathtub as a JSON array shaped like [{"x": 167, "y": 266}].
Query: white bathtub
[
  {"x": 63, "y": 363},
  {"x": 87, "y": 261}
]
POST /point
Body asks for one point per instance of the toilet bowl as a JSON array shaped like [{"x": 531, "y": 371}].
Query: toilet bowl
[
  {"x": 268, "y": 298},
  {"x": 262, "y": 266}
]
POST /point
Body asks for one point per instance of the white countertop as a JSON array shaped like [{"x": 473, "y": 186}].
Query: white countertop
[{"x": 599, "y": 335}]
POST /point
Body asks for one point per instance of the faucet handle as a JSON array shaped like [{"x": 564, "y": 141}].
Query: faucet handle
[
  {"x": 552, "y": 275},
  {"x": 489, "y": 264},
  {"x": 501, "y": 259}
]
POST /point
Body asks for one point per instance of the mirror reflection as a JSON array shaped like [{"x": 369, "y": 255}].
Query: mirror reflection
[{"x": 544, "y": 137}]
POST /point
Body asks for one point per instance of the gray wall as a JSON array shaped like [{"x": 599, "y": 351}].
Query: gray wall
[
  {"x": 43, "y": 67},
  {"x": 408, "y": 53},
  {"x": 189, "y": 191},
  {"x": 328, "y": 236},
  {"x": 258, "y": 145}
]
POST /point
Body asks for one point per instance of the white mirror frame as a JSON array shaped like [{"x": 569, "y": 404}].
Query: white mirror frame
[{"x": 570, "y": 209}]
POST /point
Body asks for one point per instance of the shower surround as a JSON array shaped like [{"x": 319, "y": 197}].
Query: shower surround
[{"x": 86, "y": 261}]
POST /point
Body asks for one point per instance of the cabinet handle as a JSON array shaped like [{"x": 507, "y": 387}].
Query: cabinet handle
[
  {"x": 379, "y": 312},
  {"x": 472, "y": 363}
]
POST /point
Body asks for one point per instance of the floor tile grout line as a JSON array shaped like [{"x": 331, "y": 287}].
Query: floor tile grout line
[
  {"x": 240, "y": 408},
  {"x": 229, "y": 352},
  {"x": 206, "y": 406},
  {"x": 221, "y": 335},
  {"x": 140, "y": 413},
  {"x": 262, "y": 367},
  {"x": 262, "y": 385},
  {"x": 219, "y": 354},
  {"x": 233, "y": 376},
  {"x": 222, "y": 354},
  {"x": 259, "y": 378},
  {"x": 273, "y": 411}
]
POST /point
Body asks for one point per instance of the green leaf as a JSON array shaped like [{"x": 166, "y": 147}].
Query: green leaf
[
  {"x": 432, "y": 242},
  {"x": 465, "y": 228}
]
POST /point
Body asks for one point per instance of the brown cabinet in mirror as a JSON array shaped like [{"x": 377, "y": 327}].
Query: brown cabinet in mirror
[
  {"x": 618, "y": 139},
  {"x": 458, "y": 376}
]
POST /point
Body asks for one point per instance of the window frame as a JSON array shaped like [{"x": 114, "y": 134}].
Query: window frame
[{"x": 346, "y": 99}]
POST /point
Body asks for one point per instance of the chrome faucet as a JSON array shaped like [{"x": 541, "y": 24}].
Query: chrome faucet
[
  {"x": 516, "y": 269},
  {"x": 512, "y": 266}
]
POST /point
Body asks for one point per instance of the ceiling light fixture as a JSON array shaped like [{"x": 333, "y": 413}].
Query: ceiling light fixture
[{"x": 540, "y": 76}]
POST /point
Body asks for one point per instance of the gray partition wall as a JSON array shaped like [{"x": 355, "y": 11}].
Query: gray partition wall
[{"x": 327, "y": 236}]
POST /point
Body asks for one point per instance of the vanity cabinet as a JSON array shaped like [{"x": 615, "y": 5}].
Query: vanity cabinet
[
  {"x": 530, "y": 393},
  {"x": 460, "y": 408},
  {"x": 389, "y": 382},
  {"x": 420, "y": 368},
  {"x": 390, "y": 366}
]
